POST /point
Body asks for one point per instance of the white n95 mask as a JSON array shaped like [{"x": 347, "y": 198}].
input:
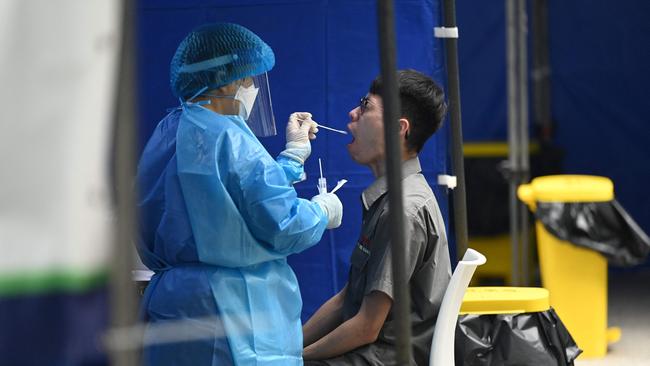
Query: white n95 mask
[{"x": 246, "y": 97}]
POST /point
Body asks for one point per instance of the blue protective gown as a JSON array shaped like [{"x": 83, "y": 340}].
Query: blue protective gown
[{"x": 219, "y": 217}]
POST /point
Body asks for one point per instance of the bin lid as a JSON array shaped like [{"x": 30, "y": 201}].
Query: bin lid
[
  {"x": 504, "y": 300},
  {"x": 572, "y": 188}
]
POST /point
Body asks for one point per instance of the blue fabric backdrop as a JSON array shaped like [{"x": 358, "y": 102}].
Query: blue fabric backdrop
[
  {"x": 599, "y": 54},
  {"x": 326, "y": 56},
  {"x": 482, "y": 63}
]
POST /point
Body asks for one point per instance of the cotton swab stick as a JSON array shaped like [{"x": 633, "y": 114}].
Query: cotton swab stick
[{"x": 332, "y": 129}]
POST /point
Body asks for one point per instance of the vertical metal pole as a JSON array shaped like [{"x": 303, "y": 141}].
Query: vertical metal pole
[
  {"x": 541, "y": 70},
  {"x": 513, "y": 115},
  {"x": 541, "y": 79},
  {"x": 524, "y": 171},
  {"x": 123, "y": 292},
  {"x": 401, "y": 307},
  {"x": 453, "y": 95},
  {"x": 518, "y": 161}
]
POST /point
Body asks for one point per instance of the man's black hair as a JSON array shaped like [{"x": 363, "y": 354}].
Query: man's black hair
[{"x": 422, "y": 104}]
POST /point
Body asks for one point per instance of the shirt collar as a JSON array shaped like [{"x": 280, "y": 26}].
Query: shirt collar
[{"x": 380, "y": 186}]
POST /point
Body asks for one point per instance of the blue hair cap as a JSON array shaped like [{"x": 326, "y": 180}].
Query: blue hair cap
[{"x": 214, "y": 55}]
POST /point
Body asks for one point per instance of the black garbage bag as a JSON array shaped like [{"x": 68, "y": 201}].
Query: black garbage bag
[
  {"x": 602, "y": 226},
  {"x": 523, "y": 339}
]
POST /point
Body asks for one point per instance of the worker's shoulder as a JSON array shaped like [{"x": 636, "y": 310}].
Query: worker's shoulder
[
  {"x": 224, "y": 128},
  {"x": 418, "y": 195}
]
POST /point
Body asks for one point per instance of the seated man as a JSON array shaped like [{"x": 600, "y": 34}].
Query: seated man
[{"x": 356, "y": 326}]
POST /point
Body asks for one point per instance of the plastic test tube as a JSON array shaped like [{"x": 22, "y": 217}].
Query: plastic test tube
[{"x": 322, "y": 182}]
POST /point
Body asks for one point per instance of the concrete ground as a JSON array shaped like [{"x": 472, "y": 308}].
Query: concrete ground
[{"x": 629, "y": 309}]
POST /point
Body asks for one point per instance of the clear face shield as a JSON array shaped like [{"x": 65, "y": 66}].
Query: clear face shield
[
  {"x": 249, "y": 98},
  {"x": 255, "y": 106}
]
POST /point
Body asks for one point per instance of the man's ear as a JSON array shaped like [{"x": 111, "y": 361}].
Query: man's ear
[{"x": 404, "y": 127}]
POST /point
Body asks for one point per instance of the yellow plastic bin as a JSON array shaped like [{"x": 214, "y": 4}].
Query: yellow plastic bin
[{"x": 576, "y": 277}]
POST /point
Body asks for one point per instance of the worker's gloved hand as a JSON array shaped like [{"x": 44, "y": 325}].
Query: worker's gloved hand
[
  {"x": 332, "y": 206},
  {"x": 300, "y": 129}
]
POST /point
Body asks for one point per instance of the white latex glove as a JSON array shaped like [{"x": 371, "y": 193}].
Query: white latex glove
[
  {"x": 332, "y": 206},
  {"x": 300, "y": 129}
]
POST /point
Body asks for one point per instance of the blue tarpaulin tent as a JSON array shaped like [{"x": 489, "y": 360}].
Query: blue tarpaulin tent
[
  {"x": 598, "y": 52},
  {"x": 327, "y": 54}
]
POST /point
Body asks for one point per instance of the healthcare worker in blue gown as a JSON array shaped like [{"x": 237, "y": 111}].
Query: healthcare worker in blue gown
[{"x": 219, "y": 216}]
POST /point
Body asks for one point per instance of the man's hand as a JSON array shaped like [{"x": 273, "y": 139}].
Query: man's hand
[{"x": 361, "y": 329}]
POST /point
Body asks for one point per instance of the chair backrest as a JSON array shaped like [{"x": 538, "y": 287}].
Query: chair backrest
[{"x": 442, "y": 345}]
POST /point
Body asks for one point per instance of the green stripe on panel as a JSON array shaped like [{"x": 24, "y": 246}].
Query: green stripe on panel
[{"x": 51, "y": 281}]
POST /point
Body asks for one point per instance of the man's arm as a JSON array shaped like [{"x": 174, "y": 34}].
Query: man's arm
[
  {"x": 358, "y": 331},
  {"x": 326, "y": 318}
]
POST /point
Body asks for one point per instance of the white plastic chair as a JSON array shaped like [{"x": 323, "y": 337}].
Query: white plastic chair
[{"x": 442, "y": 345}]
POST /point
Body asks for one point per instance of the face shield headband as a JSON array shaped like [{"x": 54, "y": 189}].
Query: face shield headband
[{"x": 253, "y": 96}]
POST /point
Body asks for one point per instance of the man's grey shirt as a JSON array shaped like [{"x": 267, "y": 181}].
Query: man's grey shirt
[{"x": 428, "y": 264}]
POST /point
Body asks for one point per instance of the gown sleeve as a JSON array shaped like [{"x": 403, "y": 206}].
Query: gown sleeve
[
  {"x": 262, "y": 190},
  {"x": 242, "y": 206}
]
